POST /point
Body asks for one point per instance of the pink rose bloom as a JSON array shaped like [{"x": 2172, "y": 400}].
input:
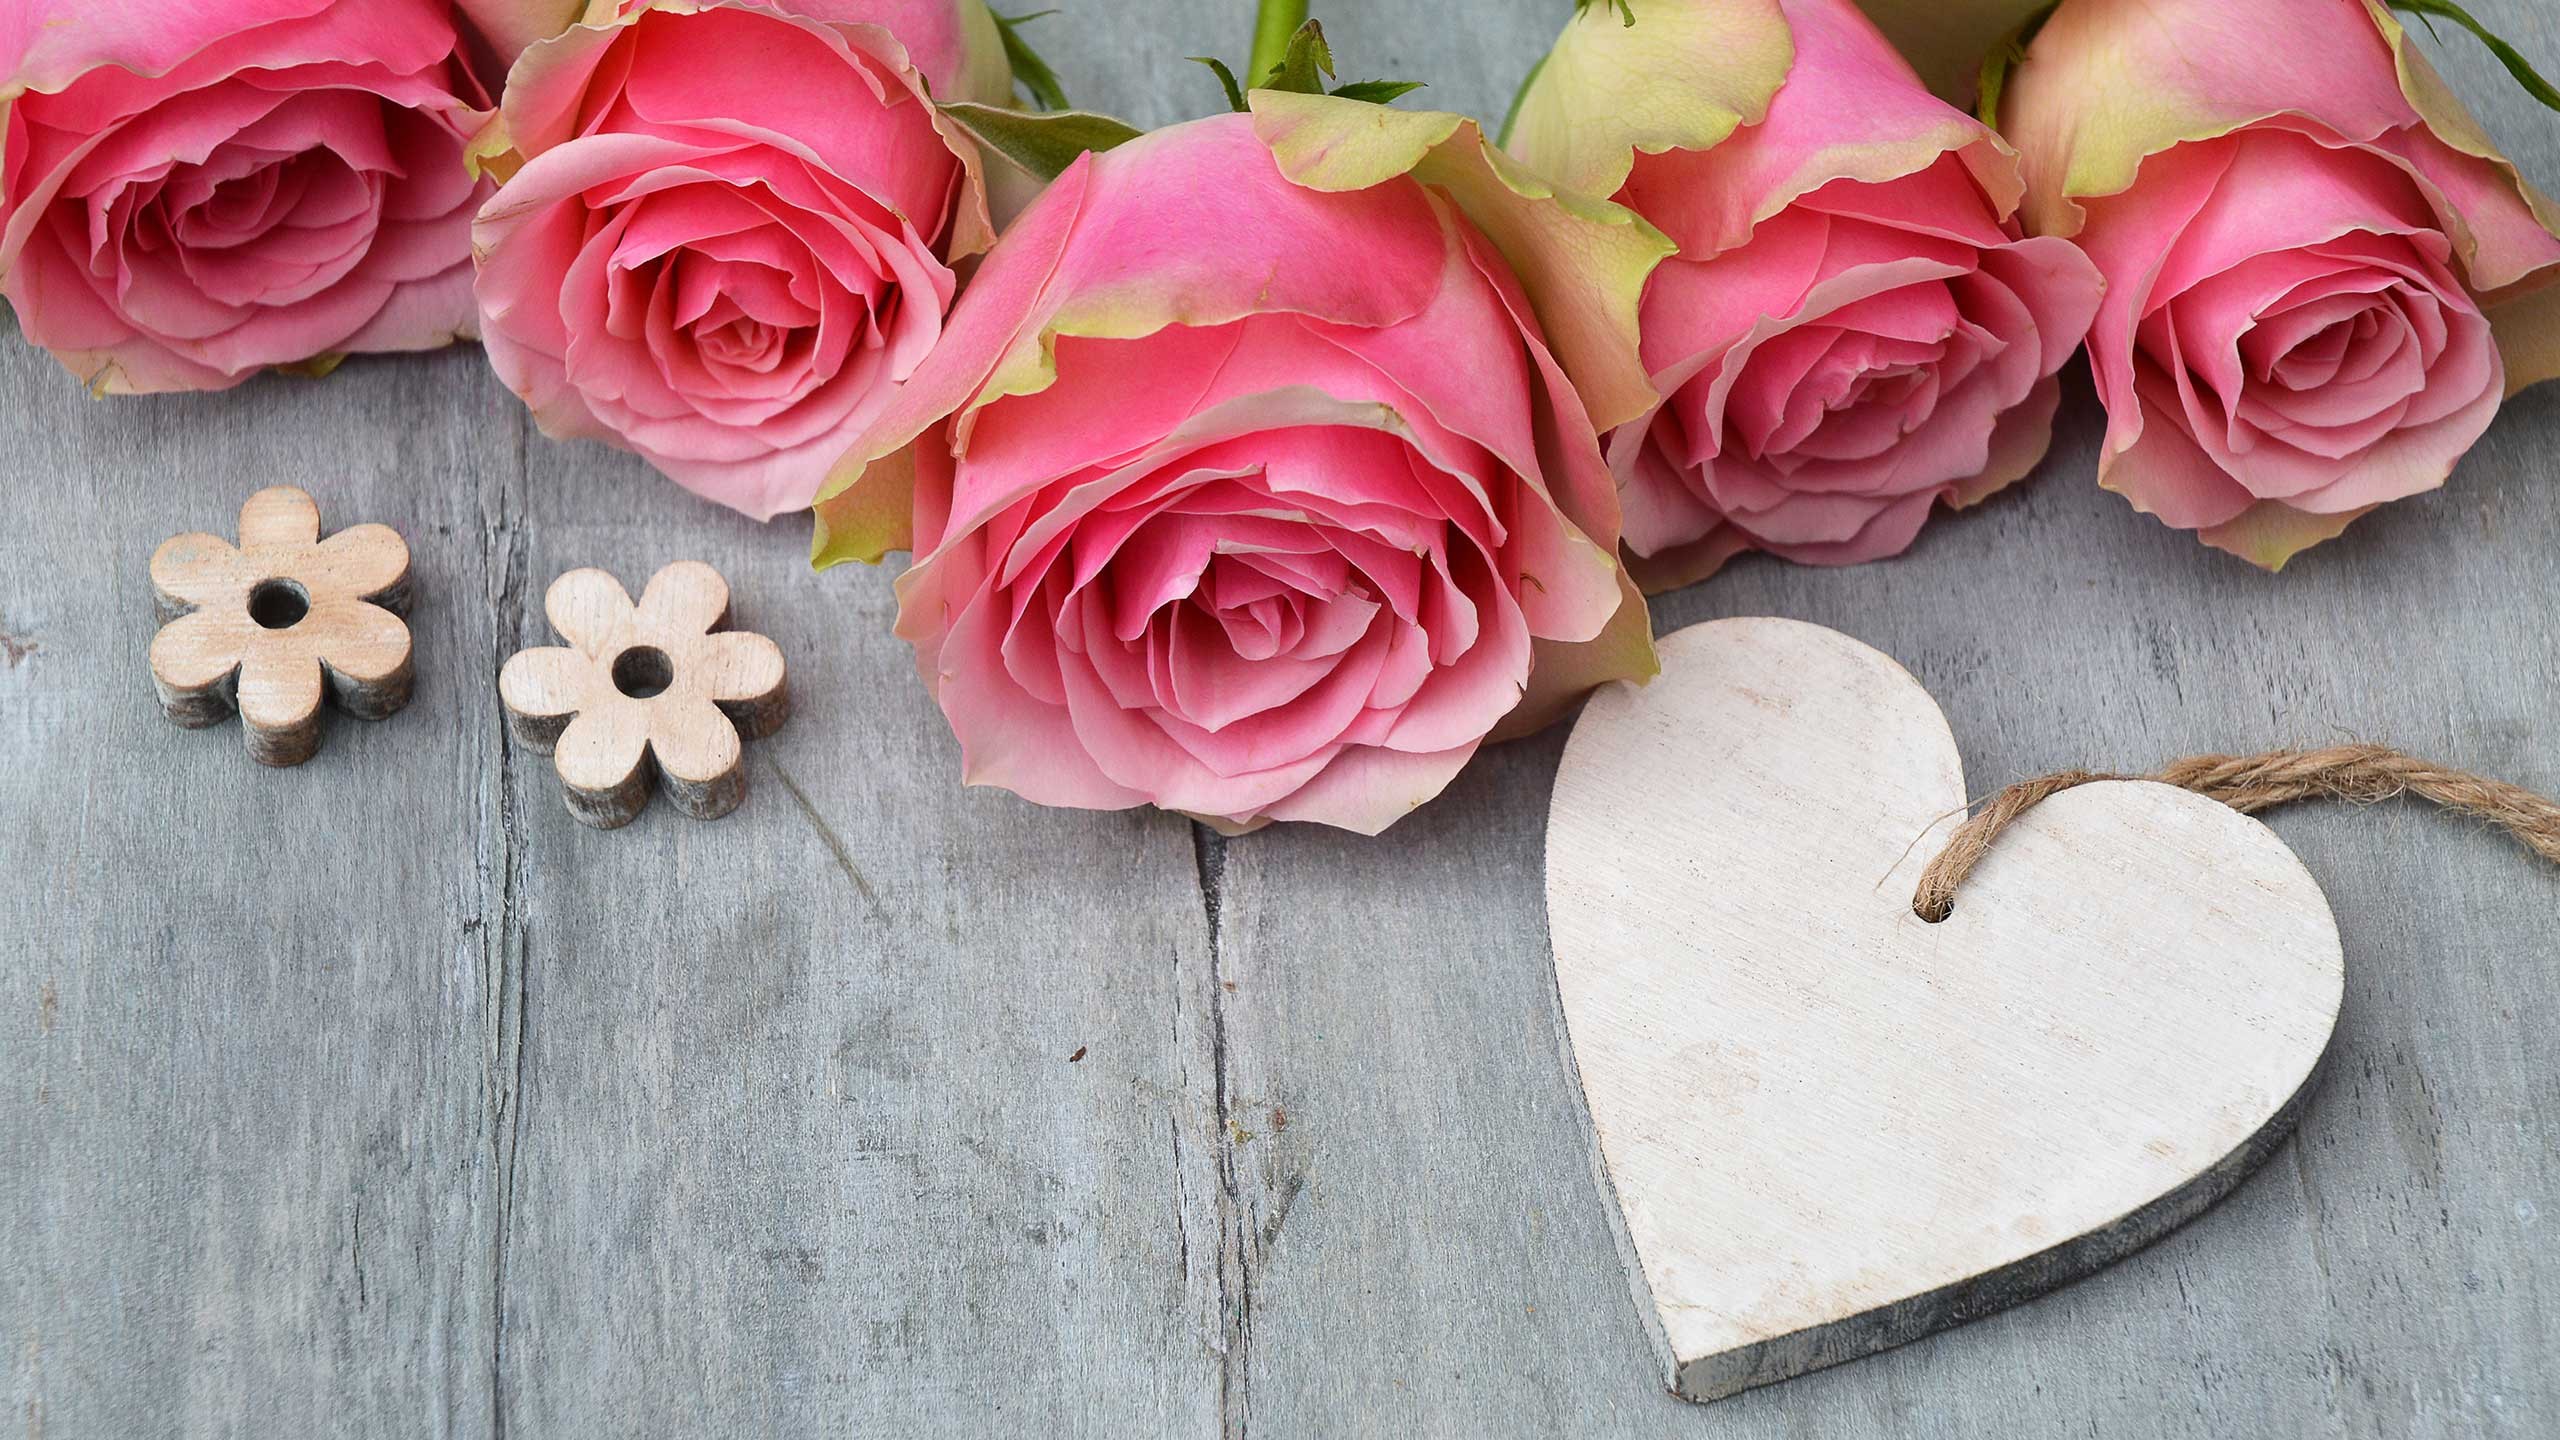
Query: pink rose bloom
[
  {"x": 1854, "y": 329},
  {"x": 2314, "y": 257},
  {"x": 1250, "y": 483},
  {"x": 193, "y": 192},
  {"x": 728, "y": 230}
]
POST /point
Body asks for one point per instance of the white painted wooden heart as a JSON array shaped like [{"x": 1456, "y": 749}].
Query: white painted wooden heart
[{"x": 1831, "y": 1126}]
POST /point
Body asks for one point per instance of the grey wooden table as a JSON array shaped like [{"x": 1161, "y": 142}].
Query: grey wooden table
[{"x": 379, "y": 1098}]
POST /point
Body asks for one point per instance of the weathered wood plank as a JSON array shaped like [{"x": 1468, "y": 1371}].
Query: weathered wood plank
[
  {"x": 2390, "y": 1275},
  {"x": 802, "y": 1149},
  {"x": 475, "y": 1121},
  {"x": 245, "y": 1133}
]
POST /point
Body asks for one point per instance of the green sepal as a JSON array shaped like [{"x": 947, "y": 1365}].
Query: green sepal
[
  {"x": 1226, "y": 77},
  {"x": 1029, "y": 70},
  {"x": 1304, "y": 66},
  {"x": 318, "y": 367},
  {"x": 1044, "y": 145},
  {"x": 1376, "y": 92}
]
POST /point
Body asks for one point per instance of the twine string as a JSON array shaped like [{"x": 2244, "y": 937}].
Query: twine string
[{"x": 2359, "y": 774}]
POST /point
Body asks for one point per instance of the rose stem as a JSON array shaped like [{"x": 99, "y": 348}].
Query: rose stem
[{"x": 1273, "y": 24}]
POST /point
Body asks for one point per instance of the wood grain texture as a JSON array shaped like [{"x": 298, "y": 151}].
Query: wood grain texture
[
  {"x": 658, "y": 693},
  {"x": 463, "y": 1127},
  {"x": 270, "y": 626},
  {"x": 1831, "y": 1126}
]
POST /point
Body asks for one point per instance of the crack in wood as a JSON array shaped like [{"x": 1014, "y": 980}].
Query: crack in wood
[
  {"x": 1235, "y": 1257},
  {"x": 505, "y": 570},
  {"x": 836, "y": 846}
]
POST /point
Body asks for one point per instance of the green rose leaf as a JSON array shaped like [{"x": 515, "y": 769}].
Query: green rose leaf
[
  {"x": 1044, "y": 145},
  {"x": 1226, "y": 77},
  {"x": 1029, "y": 69},
  {"x": 1376, "y": 92}
]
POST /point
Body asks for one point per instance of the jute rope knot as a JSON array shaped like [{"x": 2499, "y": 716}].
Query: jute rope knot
[{"x": 2361, "y": 774}]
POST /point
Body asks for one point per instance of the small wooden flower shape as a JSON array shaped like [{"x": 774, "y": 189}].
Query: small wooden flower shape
[
  {"x": 267, "y": 627},
  {"x": 656, "y": 691}
]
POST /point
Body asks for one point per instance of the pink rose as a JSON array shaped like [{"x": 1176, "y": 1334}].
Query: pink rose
[
  {"x": 729, "y": 231},
  {"x": 1854, "y": 329},
  {"x": 192, "y": 192},
  {"x": 1249, "y": 484},
  {"x": 2313, "y": 257}
]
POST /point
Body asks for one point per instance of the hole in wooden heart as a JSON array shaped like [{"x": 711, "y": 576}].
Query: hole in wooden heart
[
  {"x": 643, "y": 671},
  {"x": 279, "y": 604}
]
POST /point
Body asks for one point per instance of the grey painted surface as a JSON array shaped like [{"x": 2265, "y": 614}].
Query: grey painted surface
[{"x": 378, "y": 1097}]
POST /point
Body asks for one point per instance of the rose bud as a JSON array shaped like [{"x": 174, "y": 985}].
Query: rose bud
[
  {"x": 192, "y": 193},
  {"x": 1854, "y": 329},
  {"x": 1251, "y": 482},
  {"x": 727, "y": 232},
  {"x": 2314, "y": 258}
]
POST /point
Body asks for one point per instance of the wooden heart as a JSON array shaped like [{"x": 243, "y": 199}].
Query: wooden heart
[{"x": 1831, "y": 1126}]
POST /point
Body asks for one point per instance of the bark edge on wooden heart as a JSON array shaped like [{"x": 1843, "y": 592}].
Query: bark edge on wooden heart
[{"x": 1825, "y": 1127}]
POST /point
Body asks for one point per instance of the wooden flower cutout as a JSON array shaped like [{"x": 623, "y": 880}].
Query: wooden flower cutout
[
  {"x": 271, "y": 625},
  {"x": 640, "y": 694}
]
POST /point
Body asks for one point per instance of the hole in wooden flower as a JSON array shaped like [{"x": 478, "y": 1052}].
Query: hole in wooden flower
[
  {"x": 643, "y": 671},
  {"x": 279, "y": 604}
]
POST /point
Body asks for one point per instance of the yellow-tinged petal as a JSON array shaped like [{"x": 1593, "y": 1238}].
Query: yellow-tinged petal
[
  {"x": 1563, "y": 672},
  {"x": 2271, "y": 532},
  {"x": 2453, "y": 124},
  {"x": 1325, "y": 142},
  {"x": 2108, "y": 84},
  {"x": 2527, "y": 329},
  {"x": 492, "y": 150},
  {"x": 511, "y": 25},
  {"x": 987, "y": 76},
  {"x": 1582, "y": 261},
  {"x": 866, "y": 521},
  {"x": 1682, "y": 77}
]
